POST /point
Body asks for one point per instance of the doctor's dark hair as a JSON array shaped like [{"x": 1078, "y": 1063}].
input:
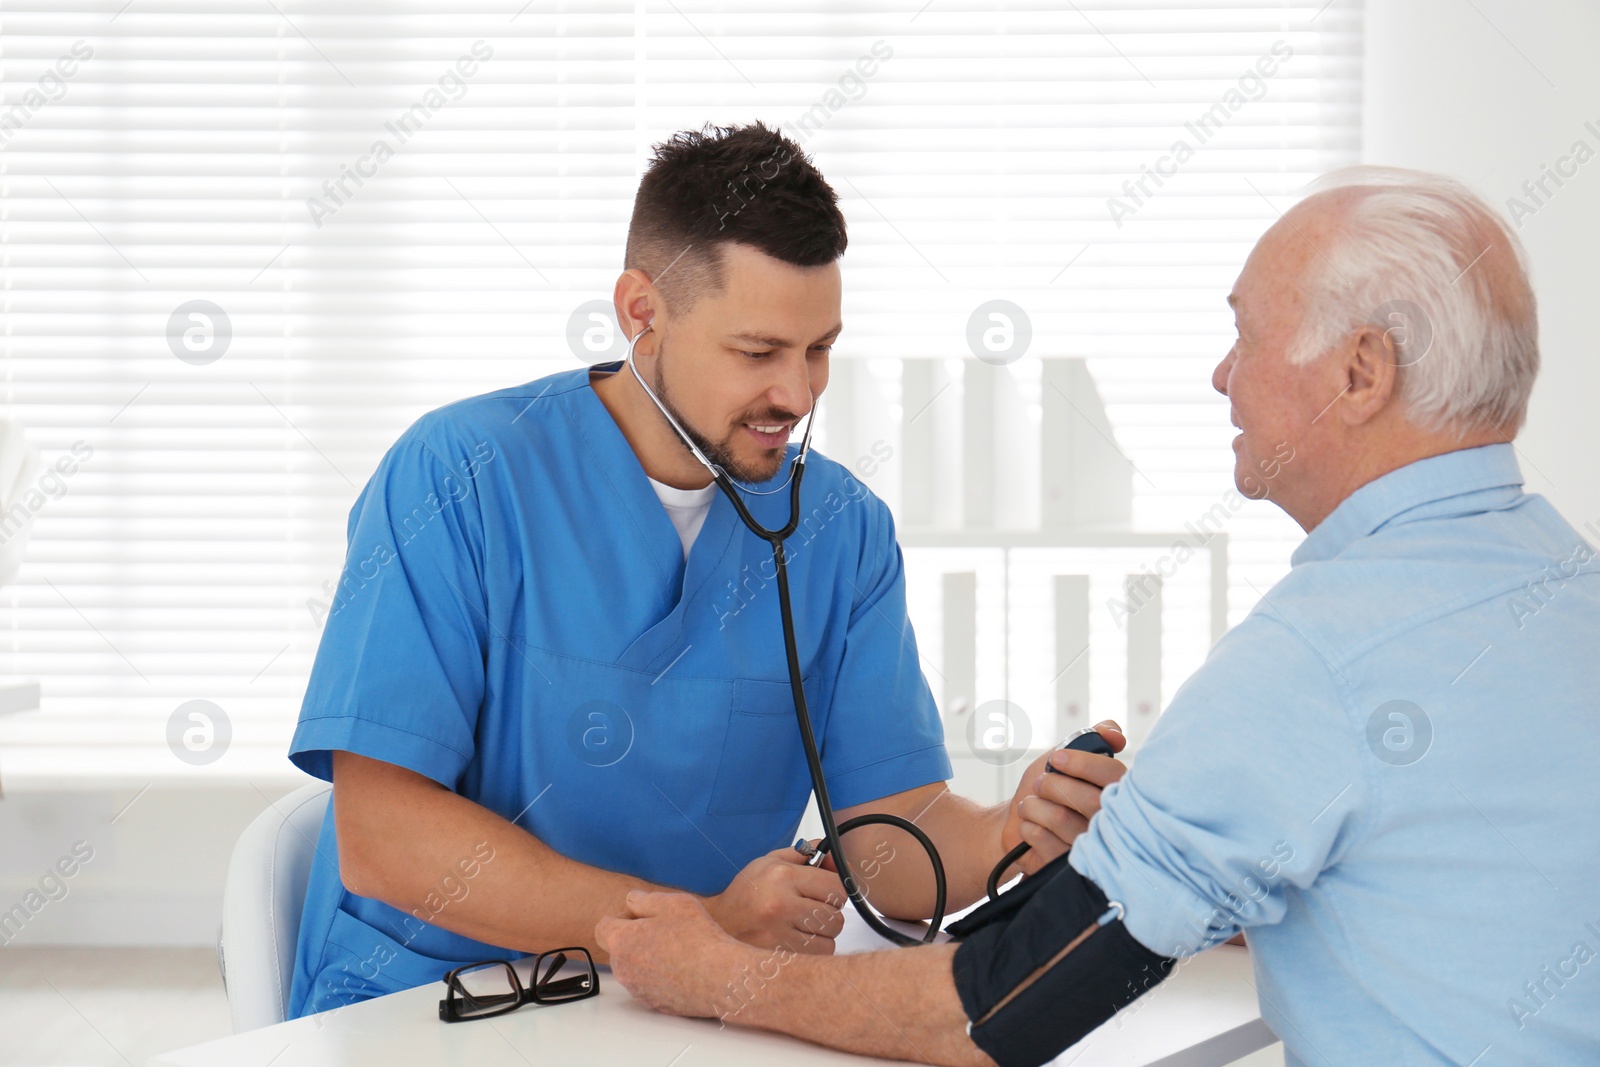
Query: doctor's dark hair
[{"x": 706, "y": 188}]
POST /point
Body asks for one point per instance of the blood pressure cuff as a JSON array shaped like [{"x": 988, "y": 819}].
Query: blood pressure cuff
[{"x": 1043, "y": 965}]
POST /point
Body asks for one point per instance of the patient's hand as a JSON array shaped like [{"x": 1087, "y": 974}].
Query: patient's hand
[
  {"x": 1049, "y": 811},
  {"x": 672, "y": 956}
]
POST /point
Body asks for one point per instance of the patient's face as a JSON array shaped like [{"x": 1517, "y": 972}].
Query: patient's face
[{"x": 1288, "y": 441}]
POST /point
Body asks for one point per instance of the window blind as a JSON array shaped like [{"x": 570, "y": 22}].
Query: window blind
[{"x": 245, "y": 244}]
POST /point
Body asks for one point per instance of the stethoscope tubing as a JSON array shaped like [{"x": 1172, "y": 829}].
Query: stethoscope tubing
[{"x": 832, "y": 832}]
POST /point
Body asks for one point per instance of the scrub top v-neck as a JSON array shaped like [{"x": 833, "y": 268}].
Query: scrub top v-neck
[{"x": 518, "y": 620}]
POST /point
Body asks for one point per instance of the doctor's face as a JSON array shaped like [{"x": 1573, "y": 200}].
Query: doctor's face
[{"x": 743, "y": 366}]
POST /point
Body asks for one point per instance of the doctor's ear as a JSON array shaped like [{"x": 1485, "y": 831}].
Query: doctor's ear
[{"x": 636, "y": 301}]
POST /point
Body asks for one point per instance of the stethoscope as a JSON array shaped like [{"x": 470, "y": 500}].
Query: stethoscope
[{"x": 831, "y": 833}]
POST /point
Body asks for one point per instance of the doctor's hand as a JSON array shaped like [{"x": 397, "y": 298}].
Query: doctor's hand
[
  {"x": 778, "y": 900},
  {"x": 1049, "y": 811},
  {"x": 671, "y": 955}
]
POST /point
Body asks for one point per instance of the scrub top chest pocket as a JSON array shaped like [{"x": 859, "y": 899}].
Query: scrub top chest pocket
[{"x": 763, "y": 765}]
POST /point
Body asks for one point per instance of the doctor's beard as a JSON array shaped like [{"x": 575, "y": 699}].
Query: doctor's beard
[{"x": 721, "y": 452}]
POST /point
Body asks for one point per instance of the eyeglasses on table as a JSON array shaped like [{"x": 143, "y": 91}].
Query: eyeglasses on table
[{"x": 492, "y": 987}]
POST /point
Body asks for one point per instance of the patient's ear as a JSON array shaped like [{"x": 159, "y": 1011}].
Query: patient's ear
[{"x": 1372, "y": 375}]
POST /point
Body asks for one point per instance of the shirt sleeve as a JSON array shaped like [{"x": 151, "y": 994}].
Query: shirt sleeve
[
  {"x": 1250, "y": 783},
  {"x": 883, "y": 734},
  {"x": 399, "y": 673}
]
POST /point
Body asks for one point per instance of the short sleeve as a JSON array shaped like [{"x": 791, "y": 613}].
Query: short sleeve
[
  {"x": 399, "y": 673},
  {"x": 1249, "y": 783},
  {"x": 883, "y": 734}
]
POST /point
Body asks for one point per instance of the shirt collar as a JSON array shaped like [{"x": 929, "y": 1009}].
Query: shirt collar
[{"x": 1437, "y": 479}]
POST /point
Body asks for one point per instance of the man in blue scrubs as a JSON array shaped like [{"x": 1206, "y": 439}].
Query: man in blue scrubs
[
  {"x": 555, "y": 673},
  {"x": 1388, "y": 774}
]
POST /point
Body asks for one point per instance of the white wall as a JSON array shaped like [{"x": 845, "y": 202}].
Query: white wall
[
  {"x": 1491, "y": 98},
  {"x": 148, "y": 867}
]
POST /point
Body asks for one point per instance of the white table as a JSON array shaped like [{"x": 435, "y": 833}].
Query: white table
[{"x": 1205, "y": 1015}]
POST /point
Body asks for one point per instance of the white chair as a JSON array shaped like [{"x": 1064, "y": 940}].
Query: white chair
[{"x": 262, "y": 902}]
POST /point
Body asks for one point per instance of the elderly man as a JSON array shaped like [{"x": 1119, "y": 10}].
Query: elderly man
[{"x": 1388, "y": 774}]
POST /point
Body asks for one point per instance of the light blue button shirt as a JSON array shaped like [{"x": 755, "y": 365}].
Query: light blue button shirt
[{"x": 1389, "y": 774}]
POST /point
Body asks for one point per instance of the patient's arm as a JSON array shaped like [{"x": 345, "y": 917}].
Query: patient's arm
[
  {"x": 900, "y": 1004},
  {"x": 1035, "y": 973}
]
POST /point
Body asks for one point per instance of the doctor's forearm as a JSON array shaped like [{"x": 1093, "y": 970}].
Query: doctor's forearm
[
  {"x": 900, "y": 882},
  {"x": 968, "y": 836},
  {"x": 403, "y": 839}
]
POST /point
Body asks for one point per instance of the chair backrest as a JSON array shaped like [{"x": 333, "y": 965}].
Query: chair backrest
[{"x": 261, "y": 905}]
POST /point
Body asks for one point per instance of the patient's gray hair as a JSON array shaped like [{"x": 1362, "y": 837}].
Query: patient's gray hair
[{"x": 1416, "y": 254}]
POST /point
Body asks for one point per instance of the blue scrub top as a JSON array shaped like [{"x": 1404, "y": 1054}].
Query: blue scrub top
[{"x": 516, "y": 621}]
